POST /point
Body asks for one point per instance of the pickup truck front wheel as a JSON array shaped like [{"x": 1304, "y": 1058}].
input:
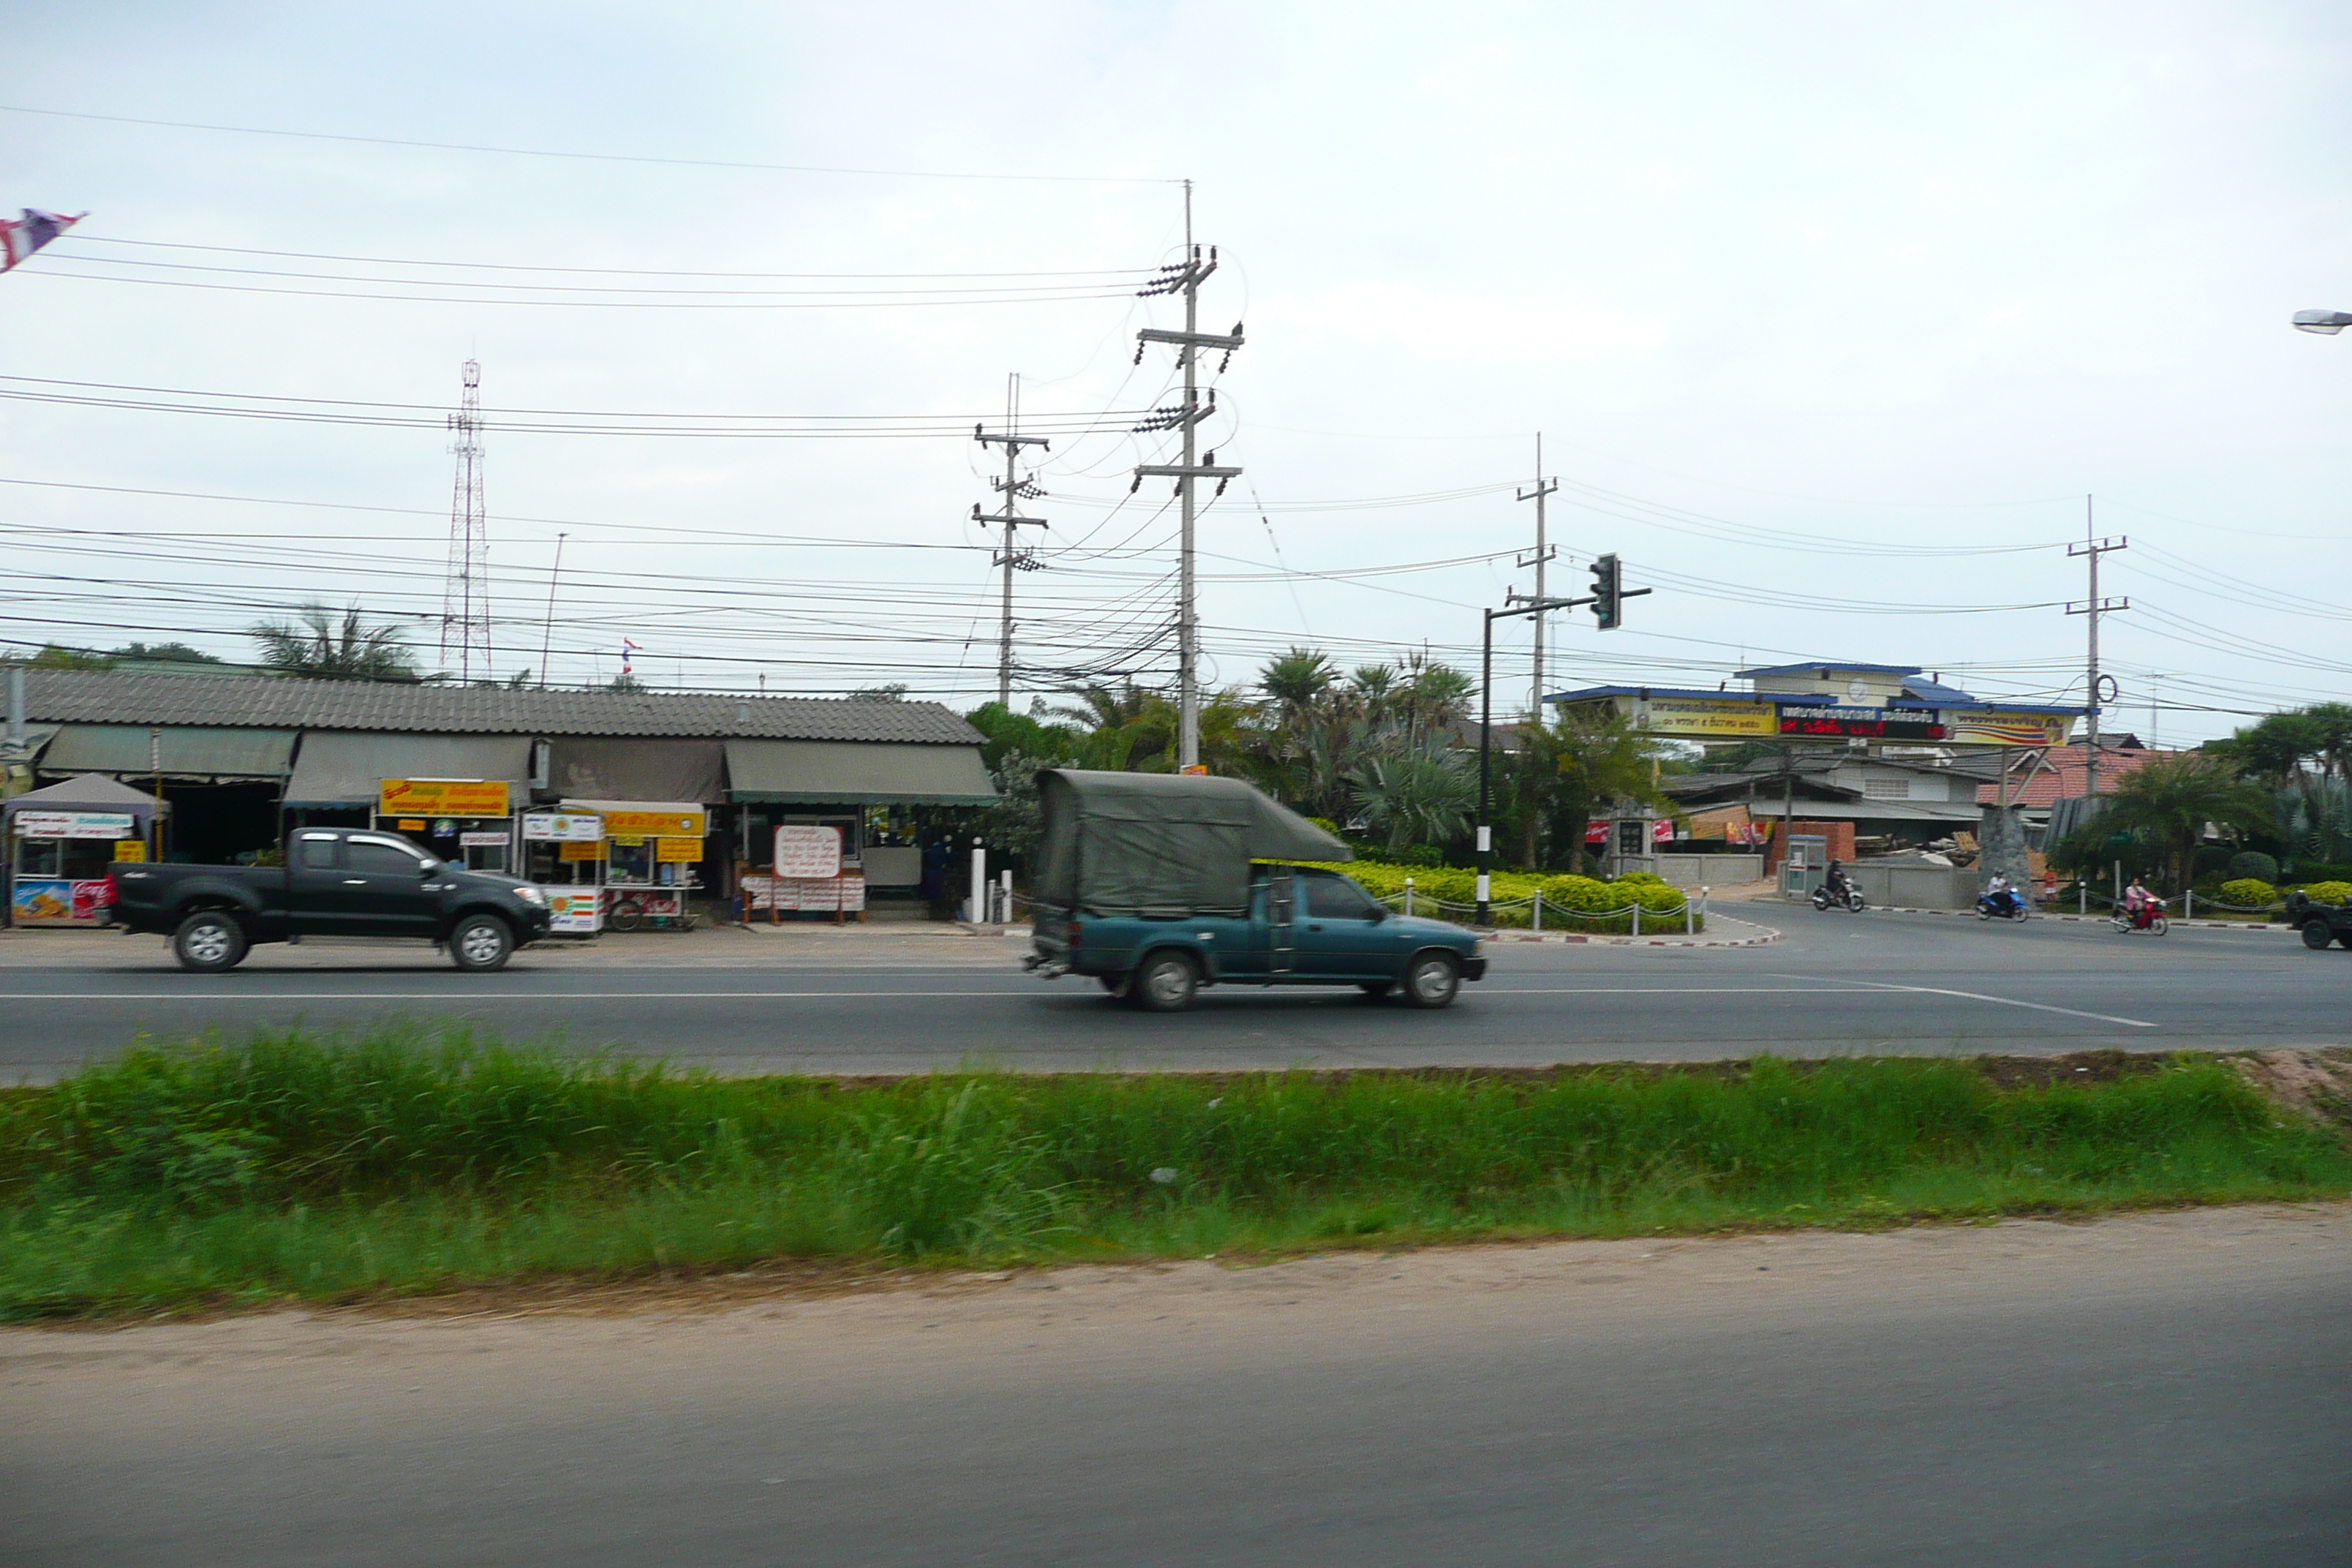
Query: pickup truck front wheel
[
  {"x": 480, "y": 943},
  {"x": 1165, "y": 983},
  {"x": 1433, "y": 980},
  {"x": 209, "y": 941},
  {"x": 2316, "y": 934}
]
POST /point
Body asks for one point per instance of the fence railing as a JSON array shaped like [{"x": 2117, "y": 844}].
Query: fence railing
[{"x": 1691, "y": 914}]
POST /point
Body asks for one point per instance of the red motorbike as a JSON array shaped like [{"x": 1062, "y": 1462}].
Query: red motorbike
[{"x": 2148, "y": 917}]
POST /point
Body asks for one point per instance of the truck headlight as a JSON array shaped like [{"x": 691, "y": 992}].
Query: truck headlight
[{"x": 531, "y": 895}]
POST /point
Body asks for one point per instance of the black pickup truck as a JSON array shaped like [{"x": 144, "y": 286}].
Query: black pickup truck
[
  {"x": 334, "y": 883},
  {"x": 2320, "y": 923}
]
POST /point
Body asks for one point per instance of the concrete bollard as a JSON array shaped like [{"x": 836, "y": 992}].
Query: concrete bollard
[{"x": 1408, "y": 895}]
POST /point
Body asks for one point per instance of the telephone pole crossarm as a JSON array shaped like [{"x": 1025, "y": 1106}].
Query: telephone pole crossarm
[
  {"x": 1186, "y": 471},
  {"x": 2089, "y": 549},
  {"x": 1011, "y": 557}
]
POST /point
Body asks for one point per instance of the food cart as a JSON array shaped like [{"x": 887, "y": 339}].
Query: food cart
[
  {"x": 63, "y": 843},
  {"x": 640, "y": 861},
  {"x": 563, "y": 853}
]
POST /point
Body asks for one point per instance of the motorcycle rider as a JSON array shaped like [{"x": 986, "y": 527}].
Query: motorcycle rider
[
  {"x": 1836, "y": 883},
  {"x": 2138, "y": 904},
  {"x": 2004, "y": 897}
]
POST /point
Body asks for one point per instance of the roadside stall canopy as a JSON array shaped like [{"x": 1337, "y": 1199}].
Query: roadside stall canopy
[
  {"x": 184, "y": 751},
  {"x": 89, "y": 793},
  {"x": 625, "y": 770},
  {"x": 345, "y": 768},
  {"x": 1163, "y": 843},
  {"x": 858, "y": 772}
]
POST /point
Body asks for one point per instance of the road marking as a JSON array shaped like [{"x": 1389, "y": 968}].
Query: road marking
[{"x": 1981, "y": 997}]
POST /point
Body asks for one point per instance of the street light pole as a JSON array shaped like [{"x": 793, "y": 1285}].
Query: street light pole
[
  {"x": 2327, "y": 321},
  {"x": 1487, "y": 736}
]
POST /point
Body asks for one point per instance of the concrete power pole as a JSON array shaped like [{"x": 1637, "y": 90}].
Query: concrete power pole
[
  {"x": 2093, "y": 547},
  {"x": 1012, "y": 558},
  {"x": 1544, "y": 553},
  {"x": 1185, "y": 278}
]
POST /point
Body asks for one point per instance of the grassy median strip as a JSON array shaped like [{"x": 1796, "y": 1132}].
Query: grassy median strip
[{"x": 295, "y": 1166}]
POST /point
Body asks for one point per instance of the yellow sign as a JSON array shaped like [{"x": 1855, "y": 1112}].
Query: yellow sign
[
  {"x": 130, "y": 849},
  {"x": 1703, "y": 718},
  {"x": 629, "y": 840},
  {"x": 444, "y": 797},
  {"x": 411, "y": 825},
  {"x": 655, "y": 823},
  {"x": 680, "y": 851},
  {"x": 1975, "y": 727},
  {"x": 573, "y": 850}
]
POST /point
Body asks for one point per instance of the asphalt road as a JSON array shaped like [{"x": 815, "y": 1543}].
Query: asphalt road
[
  {"x": 860, "y": 1002},
  {"x": 2162, "y": 1390}
]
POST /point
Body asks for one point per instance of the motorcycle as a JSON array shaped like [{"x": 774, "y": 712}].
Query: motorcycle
[
  {"x": 1849, "y": 898},
  {"x": 2149, "y": 919},
  {"x": 2006, "y": 905}
]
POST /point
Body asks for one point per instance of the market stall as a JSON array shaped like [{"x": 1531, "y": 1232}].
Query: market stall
[
  {"x": 65, "y": 840},
  {"x": 650, "y": 855},
  {"x": 563, "y": 852}
]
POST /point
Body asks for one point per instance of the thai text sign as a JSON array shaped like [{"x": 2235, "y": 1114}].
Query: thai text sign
[
  {"x": 677, "y": 851},
  {"x": 562, "y": 827},
  {"x": 809, "y": 895},
  {"x": 74, "y": 825},
  {"x": 1829, "y": 720},
  {"x": 443, "y": 798},
  {"x": 1704, "y": 717},
  {"x": 808, "y": 850},
  {"x": 1978, "y": 727},
  {"x": 655, "y": 823}
]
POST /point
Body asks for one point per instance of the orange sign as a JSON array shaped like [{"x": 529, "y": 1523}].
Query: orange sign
[
  {"x": 655, "y": 823},
  {"x": 443, "y": 798},
  {"x": 572, "y": 849},
  {"x": 680, "y": 851}
]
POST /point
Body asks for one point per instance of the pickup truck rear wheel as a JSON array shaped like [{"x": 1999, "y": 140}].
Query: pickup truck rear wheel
[
  {"x": 1433, "y": 980},
  {"x": 480, "y": 943},
  {"x": 1165, "y": 983},
  {"x": 208, "y": 942},
  {"x": 2316, "y": 934}
]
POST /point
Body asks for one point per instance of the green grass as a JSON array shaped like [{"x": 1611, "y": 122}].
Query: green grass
[{"x": 295, "y": 1166}]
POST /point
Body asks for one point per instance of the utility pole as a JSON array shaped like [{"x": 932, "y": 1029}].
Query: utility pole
[
  {"x": 1544, "y": 553},
  {"x": 466, "y": 597},
  {"x": 2094, "y": 608},
  {"x": 1185, "y": 278},
  {"x": 1011, "y": 557}
]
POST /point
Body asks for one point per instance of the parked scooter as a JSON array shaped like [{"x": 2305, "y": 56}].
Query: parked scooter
[{"x": 2008, "y": 904}]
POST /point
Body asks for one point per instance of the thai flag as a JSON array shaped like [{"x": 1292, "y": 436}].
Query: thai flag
[
  {"x": 627, "y": 649},
  {"x": 19, "y": 238}
]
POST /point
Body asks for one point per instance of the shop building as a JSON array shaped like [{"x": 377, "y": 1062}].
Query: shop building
[{"x": 655, "y": 798}]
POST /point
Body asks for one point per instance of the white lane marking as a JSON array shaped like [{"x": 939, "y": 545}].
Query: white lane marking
[
  {"x": 774, "y": 995},
  {"x": 1998, "y": 1001}
]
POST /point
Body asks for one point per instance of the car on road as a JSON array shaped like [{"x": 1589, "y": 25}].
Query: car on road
[
  {"x": 2320, "y": 923},
  {"x": 335, "y": 882},
  {"x": 1158, "y": 884}
]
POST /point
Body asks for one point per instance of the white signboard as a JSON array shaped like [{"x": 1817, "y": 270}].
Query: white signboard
[
  {"x": 808, "y": 851},
  {"x": 577, "y": 913},
  {"x": 482, "y": 840},
  {"x": 821, "y": 895},
  {"x": 565, "y": 828},
  {"x": 74, "y": 825}
]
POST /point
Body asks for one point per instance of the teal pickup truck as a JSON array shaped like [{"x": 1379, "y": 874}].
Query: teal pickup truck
[{"x": 1157, "y": 884}]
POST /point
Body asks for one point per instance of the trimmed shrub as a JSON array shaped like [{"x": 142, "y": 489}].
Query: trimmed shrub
[
  {"x": 2253, "y": 865},
  {"x": 2328, "y": 892},
  {"x": 2249, "y": 893}
]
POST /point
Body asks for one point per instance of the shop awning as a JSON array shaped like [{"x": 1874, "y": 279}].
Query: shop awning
[
  {"x": 857, "y": 773},
  {"x": 184, "y": 751},
  {"x": 88, "y": 793},
  {"x": 598, "y": 769},
  {"x": 344, "y": 768}
]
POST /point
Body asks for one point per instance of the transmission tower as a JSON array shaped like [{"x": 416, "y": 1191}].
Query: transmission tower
[
  {"x": 1185, "y": 278},
  {"x": 1011, "y": 557},
  {"x": 465, "y": 598}
]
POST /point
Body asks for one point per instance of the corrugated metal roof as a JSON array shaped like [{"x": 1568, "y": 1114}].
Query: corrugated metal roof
[
  {"x": 832, "y": 773},
  {"x": 175, "y": 751},
  {"x": 90, "y": 697}
]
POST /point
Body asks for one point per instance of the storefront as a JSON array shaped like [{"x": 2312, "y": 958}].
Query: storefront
[
  {"x": 864, "y": 792},
  {"x": 464, "y": 820},
  {"x": 453, "y": 796},
  {"x": 63, "y": 843},
  {"x": 620, "y": 863}
]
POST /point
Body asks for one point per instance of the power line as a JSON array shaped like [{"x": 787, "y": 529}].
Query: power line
[{"x": 1106, "y": 273}]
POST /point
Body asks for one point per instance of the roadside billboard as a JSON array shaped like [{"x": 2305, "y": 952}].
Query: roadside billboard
[
  {"x": 1704, "y": 717},
  {"x": 442, "y": 797},
  {"x": 1983, "y": 727}
]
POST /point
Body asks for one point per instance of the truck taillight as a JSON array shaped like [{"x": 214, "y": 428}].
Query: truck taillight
[{"x": 1074, "y": 934}]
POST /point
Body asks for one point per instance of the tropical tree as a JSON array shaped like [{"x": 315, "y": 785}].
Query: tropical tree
[
  {"x": 1421, "y": 797},
  {"x": 1585, "y": 760},
  {"x": 315, "y": 647},
  {"x": 2170, "y": 799}
]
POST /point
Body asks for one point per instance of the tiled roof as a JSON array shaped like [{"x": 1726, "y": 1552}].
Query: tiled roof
[
  {"x": 2065, "y": 776},
  {"x": 79, "y": 697}
]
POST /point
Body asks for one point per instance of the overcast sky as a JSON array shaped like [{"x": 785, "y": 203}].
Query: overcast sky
[{"x": 1831, "y": 317}]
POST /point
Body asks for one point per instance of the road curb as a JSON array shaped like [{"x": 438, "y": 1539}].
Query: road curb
[
  {"x": 1769, "y": 934},
  {"x": 2088, "y": 920}
]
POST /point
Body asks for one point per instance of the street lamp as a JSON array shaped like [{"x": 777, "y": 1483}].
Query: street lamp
[
  {"x": 2328, "y": 321},
  {"x": 1486, "y": 731}
]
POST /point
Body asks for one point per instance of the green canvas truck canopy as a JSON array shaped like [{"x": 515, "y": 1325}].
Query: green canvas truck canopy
[{"x": 1173, "y": 843}]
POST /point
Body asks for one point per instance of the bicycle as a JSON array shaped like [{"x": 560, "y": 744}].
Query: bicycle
[{"x": 628, "y": 914}]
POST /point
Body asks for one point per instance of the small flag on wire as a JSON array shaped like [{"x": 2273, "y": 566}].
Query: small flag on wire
[
  {"x": 629, "y": 648},
  {"x": 19, "y": 238}
]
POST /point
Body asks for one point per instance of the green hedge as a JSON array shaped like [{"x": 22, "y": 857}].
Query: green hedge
[
  {"x": 2328, "y": 892},
  {"x": 1570, "y": 903},
  {"x": 2249, "y": 893}
]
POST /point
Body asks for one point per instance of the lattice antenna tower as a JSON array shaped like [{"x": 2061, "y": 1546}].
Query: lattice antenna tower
[{"x": 466, "y": 597}]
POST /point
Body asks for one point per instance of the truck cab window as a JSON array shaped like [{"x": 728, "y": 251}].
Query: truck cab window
[
  {"x": 1331, "y": 899},
  {"x": 319, "y": 853},
  {"x": 380, "y": 859}
]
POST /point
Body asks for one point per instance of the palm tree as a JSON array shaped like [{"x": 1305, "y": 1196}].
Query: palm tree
[
  {"x": 313, "y": 647},
  {"x": 1421, "y": 795},
  {"x": 1297, "y": 681},
  {"x": 2173, "y": 798}
]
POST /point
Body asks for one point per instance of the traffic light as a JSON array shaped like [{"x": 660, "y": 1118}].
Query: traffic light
[{"x": 1608, "y": 593}]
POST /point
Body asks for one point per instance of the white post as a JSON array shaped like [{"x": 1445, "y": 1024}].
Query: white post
[
  {"x": 1408, "y": 895},
  {"x": 1540, "y": 912},
  {"x": 1637, "y": 917},
  {"x": 2188, "y": 905},
  {"x": 1704, "y": 893},
  {"x": 1005, "y": 904},
  {"x": 978, "y": 883},
  {"x": 1690, "y": 918}
]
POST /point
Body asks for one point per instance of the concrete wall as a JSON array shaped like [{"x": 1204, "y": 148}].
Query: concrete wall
[
  {"x": 1916, "y": 887},
  {"x": 1707, "y": 870}
]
